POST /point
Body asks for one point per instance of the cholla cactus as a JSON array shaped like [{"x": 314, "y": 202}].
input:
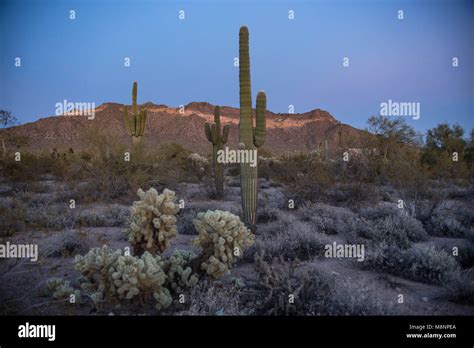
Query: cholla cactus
[
  {"x": 198, "y": 159},
  {"x": 153, "y": 221},
  {"x": 222, "y": 236},
  {"x": 61, "y": 289},
  {"x": 143, "y": 276},
  {"x": 110, "y": 274},
  {"x": 180, "y": 275},
  {"x": 95, "y": 266},
  {"x": 198, "y": 164}
]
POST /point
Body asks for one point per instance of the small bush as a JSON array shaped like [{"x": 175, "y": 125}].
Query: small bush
[
  {"x": 300, "y": 241},
  {"x": 461, "y": 286},
  {"x": 420, "y": 263},
  {"x": 278, "y": 280},
  {"x": 446, "y": 226},
  {"x": 213, "y": 298},
  {"x": 394, "y": 226},
  {"x": 12, "y": 219},
  {"x": 315, "y": 292}
]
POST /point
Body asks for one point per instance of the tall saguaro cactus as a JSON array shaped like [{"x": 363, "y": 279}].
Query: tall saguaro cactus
[
  {"x": 250, "y": 138},
  {"x": 135, "y": 123},
  {"x": 218, "y": 139}
]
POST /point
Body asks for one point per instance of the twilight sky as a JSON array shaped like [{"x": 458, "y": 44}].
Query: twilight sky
[{"x": 297, "y": 62}]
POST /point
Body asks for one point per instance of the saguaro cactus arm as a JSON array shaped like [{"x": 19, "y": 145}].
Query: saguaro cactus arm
[
  {"x": 142, "y": 123},
  {"x": 260, "y": 129},
  {"x": 225, "y": 134},
  {"x": 210, "y": 131},
  {"x": 134, "y": 98}
]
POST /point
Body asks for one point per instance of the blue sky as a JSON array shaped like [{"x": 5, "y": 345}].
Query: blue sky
[{"x": 296, "y": 62}]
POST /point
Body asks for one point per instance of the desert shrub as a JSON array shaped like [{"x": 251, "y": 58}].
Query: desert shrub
[
  {"x": 116, "y": 216},
  {"x": 305, "y": 177},
  {"x": 352, "y": 193},
  {"x": 66, "y": 243},
  {"x": 173, "y": 153},
  {"x": 185, "y": 221},
  {"x": 379, "y": 212},
  {"x": 153, "y": 221},
  {"x": 461, "y": 286},
  {"x": 222, "y": 237},
  {"x": 420, "y": 263},
  {"x": 233, "y": 170},
  {"x": 445, "y": 225},
  {"x": 112, "y": 275},
  {"x": 51, "y": 217},
  {"x": 394, "y": 226},
  {"x": 328, "y": 219},
  {"x": 315, "y": 292},
  {"x": 466, "y": 255},
  {"x": 31, "y": 167},
  {"x": 267, "y": 166},
  {"x": 266, "y": 214},
  {"x": 465, "y": 216},
  {"x": 387, "y": 230},
  {"x": 429, "y": 264},
  {"x": 300, "y": 241},
  {"x": 280, "y": 279},
  {"x": 213, "y": 298},
  {"x": 12, "y": 218},
  {"x": 109, "y": 178}
]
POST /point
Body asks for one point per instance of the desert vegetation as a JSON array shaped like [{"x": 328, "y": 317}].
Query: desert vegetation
[{"x": 204, "y": 238}]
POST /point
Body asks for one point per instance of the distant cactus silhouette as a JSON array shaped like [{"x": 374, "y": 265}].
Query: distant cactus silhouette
[
  {"x": 135, "y": 123},
  {"x": 249, "y": 137},
  {"x": 218, "y": 139}
]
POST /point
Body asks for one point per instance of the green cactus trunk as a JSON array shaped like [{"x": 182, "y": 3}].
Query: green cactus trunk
[
  {"x": 135, "y": 123},
  {"x": 249, "y": 138},
  {"x": 218, "y": 139},
  {"x": 136, "y": 141}
]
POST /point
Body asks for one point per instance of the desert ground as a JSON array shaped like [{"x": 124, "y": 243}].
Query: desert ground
[{"x": 410, "y": 267}]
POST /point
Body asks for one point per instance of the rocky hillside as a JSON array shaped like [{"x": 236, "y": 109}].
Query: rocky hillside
[{"x": 285, "y": 132}]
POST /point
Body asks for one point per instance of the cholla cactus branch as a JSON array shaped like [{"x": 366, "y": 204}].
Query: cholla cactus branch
[
  {"x": 153, "y": 221},
  {"x": 223, "y": 237}
]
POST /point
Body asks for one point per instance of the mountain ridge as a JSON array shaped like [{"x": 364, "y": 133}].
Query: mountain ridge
[{"x": 184, "y": 125}]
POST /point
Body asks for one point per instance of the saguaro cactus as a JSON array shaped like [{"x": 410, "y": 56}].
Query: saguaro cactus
[
  {"x": 218, "y": 139},
  {"x": 250, "y": 138},
  {"x": 135, "y": 123}
]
